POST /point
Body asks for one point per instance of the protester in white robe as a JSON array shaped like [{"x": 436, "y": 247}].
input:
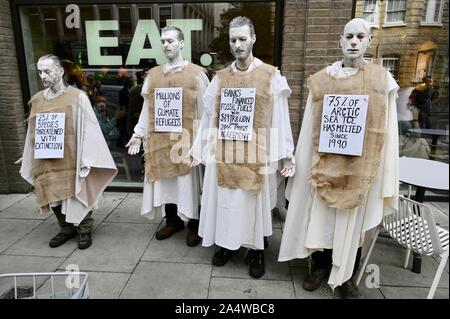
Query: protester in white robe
[
  {"x": 95, "y": 167},
  {"x": 183, "y": 191},
  {"x": 173, "y": 189},
  {"x": 311, "y": 225},
  {"x": 234, "y": 218}
]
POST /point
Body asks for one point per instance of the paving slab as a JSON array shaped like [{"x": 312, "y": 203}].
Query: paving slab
[
  {"x": 116, "y": 247},
  {"x": 102, "y": 285},
  {"x": 24, "y": 209},
  {"x": 175, "y": 249},
  {"x": 237, "y": 268},
  {"x": 412, "y": 293},
  {"x": 7, "y": 200},
  {"x": 129, "y": 211},
  {"x": 36, "y": 242},
  {"x": 12, "y": 230},
  {"x": 155, "y": 280},
  {"x": 108, "y": 202},
  {"x": 389, "y": 256},
  {"x": 26, "y": 264},
  {"x": 233, "y": 288},
  {"x": 325, "y": 292}
]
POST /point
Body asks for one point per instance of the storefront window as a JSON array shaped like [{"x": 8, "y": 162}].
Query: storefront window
[
  {"x": 114, "y": 45},
  {"x": 416, "y": 54}
]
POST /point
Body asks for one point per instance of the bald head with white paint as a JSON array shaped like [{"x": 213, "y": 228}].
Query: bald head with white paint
[{"x": 354, "y": 42}]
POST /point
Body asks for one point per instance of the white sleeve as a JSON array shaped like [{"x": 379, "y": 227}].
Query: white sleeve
[
  {"x": 304, "y": 150},
  {"x": 202, "y": 85},
  {"x": 27, "y": 157},
  {"x": 281, "y": 140},
  {"x": 141, "y": 127},
  {"x": 90, "y": 131},
  {"x": 391, "y": 83},
  {"x": 391, "y": 154},
  {"x": 205, "y": 135}
]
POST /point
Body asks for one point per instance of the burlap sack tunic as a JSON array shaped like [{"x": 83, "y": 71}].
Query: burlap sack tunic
[
  {"x": 249, "y": 173},
  {"x": 54, "y": 179},
  {"x": 159, "y": 162},
  {"x": 342, "y": 180}
]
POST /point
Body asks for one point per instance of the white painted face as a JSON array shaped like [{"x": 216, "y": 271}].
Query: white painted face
[
  {"x": 241, "y": 42},
  {"x": 355, "y": 40},
  {"x": 49, "y": 72},
  {"x": 171, "y": 45}
]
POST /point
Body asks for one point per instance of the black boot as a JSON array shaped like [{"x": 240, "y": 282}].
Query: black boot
[
  {"x": 315, "y": 277},
  {"x": 84, "y": 241},
  {"x": 60, "y": 239},
  {"x": 173, "y": 223},
  {"x": 222, "y": 256},
  {"x": 349, "y": 290},
  {"x": 256, "y": 265}
]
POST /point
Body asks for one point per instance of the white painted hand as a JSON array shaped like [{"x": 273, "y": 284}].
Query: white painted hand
[
  {"x": 134, "y": 145},
  {"x": 84, "y": 171},
  {"x": 193, "y": 162},
  {"x": 288, "y": 167}
]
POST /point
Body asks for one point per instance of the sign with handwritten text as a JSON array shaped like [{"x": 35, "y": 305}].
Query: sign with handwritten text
[
  {"x": 49, "y": 135},
  {"x": 237, "y": 109},
  {"x": 343, "y": 124},
  {"x": 168, "y": 109}
]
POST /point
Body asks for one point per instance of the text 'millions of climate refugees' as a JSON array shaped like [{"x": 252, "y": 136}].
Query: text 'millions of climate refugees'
[{"x": 169, "y": 109}]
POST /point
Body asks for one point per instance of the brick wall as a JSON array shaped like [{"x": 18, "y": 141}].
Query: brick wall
[
  {"x": 310, "y": 43},
  {"x": 12, "y": 126}
]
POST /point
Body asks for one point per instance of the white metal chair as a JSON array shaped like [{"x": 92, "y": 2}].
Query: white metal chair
[{"x": 413, "y": 226}]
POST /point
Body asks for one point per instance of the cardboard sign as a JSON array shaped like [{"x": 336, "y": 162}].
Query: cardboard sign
[
  {"x": 168, "y": 109},
  {"x": 49, "y": 135},
  {"x": 237, "y": 109},
  {"x": 343, "y": 124}
]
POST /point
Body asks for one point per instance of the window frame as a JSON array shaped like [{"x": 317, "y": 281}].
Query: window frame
[
  {"x": 394, "y": 23},
  {"x": 165, "y": 7},
  {"x": 376, "y": 12},
  {"x": 426, "y": 12},
  {"x": 396, "y": 60}
]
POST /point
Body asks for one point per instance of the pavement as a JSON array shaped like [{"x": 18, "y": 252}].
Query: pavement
[{"x": 126, "y": 261}]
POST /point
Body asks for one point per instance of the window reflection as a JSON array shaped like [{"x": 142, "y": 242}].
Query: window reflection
[
  {"x": 412, "y": 44},
  {"x": 114, "y": 90}
]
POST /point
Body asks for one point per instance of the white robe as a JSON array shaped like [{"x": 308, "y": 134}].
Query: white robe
[
  {"x": 184, "y": 191},
  {"x": 311, "y": 225},
  {"x": 232, "y": 218},
  {"x": 92, "y": 151}
]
